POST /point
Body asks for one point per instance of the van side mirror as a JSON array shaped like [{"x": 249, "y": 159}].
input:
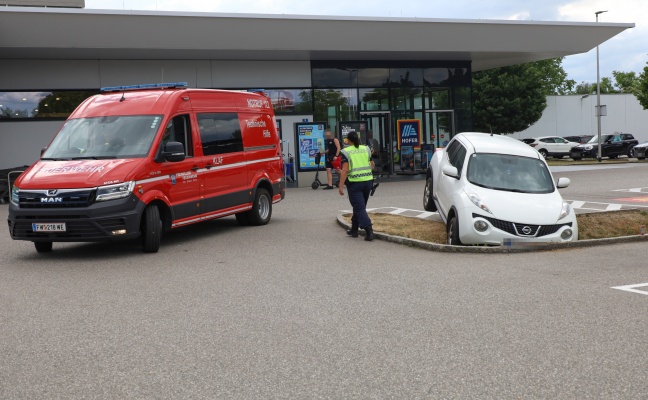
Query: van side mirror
[
  {"x": 451, "y": 171},
  {"x": 563, "y": 183},
  {"x": 173, "y": 152}
]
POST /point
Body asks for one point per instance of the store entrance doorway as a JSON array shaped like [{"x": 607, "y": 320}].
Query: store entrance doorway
[
  {"x": 439, "y": 127},
  {"x": 379, "y": 137}
]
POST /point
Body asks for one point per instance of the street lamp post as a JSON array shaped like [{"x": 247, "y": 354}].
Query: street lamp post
[{"x": 598, "y": 94}]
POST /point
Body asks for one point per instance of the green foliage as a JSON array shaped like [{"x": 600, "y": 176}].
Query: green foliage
[
  {"x": 642, "y": 88},
  {"x": 626, "y": 82},
  {"x": 510, "y": 99}
]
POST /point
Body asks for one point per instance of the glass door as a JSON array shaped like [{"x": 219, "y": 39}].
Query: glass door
[
  {"x": 439, "y": 127},
  {"x": 379, "y": 137}
]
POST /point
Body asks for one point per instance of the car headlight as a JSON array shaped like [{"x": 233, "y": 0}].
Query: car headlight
[
  {"x": 478, "y": 202},
  {"x": 14, "y": 195},
  {"x": 113, "y": 192},
  {"x": 588, "y": 147},
  {"x": 566, "y": 209}
]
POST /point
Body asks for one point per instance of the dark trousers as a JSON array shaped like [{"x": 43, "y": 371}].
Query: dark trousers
[{"x": 359, "y": 196}]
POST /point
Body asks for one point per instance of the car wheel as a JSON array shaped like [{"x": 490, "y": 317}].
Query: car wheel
[
  {"x": 242, "y": 219},
  {"x": 577, "y": 158},
  {"x": 544, "y": 153},
  {"x": 428, "y": 200},
  {"x": 151, "y": 229},
  {"x": 631, "y": 152},
  {"x": 453, "y": 231},
  {"x": 43, "y": 247},
  {"x": 261, "y": 209}
]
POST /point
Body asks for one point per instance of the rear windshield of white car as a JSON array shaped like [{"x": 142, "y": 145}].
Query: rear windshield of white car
[
  {"x": 509, "y": 173},
  {"x": 104, "y": 137}
]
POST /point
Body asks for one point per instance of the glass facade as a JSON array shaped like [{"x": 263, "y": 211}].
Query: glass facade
[{"x": 435, "y": 96}]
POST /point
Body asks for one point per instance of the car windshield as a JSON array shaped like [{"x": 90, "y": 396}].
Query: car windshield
[
  {"x": 594, "y": 139},
  {"x": 104, "y": 137},
  {"x": 509, "y": 173}
]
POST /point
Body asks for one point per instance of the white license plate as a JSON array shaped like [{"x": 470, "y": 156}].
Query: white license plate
[{"x": 52, "y": 227}]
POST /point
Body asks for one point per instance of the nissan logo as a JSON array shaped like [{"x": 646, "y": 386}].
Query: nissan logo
[
  {"x": 527, "y": 230},
  {"x": 52, "y": 192}
]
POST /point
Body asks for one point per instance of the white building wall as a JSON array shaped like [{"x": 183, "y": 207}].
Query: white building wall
[
  {"x": 576, "y": 115},
  {"x": 21, "y": 142}
]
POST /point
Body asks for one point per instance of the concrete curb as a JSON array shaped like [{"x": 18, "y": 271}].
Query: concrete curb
[{"x": 494, "y": 250}]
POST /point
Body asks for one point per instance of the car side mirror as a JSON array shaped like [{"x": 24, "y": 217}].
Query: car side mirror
[
  {"x": 451, "y": 171},
  {"x": 43, "y": 151},
  {"x": 173, "y": 152},
  {"x": 563, "y": 183}
]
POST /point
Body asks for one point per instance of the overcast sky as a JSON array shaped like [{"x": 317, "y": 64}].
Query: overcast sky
[{"x": 625, "y": 52}]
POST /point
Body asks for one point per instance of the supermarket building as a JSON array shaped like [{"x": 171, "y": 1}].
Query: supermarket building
[{"x": 332, "y": 70}]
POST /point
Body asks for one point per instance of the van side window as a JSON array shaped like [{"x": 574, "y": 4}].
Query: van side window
[
  {"x": 220, "y": 133},
  {"x": 179, "y": 130}
]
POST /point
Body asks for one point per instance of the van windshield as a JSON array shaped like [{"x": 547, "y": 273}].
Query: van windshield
[
  {"x": 509, "y": 173},
  {"x": 104, "y": 137}
]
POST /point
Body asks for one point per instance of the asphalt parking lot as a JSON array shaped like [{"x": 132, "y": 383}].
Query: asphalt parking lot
[{"x": 296, "y": 309}]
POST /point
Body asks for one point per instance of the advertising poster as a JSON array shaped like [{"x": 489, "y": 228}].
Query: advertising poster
[
  {"x": 310, "y": 141},
  {"x": 409, "y": 133},
  {"x": 345, "y": 127},
  {"x": 407, "y": 158},
  {"x": 427, "y": 150}
]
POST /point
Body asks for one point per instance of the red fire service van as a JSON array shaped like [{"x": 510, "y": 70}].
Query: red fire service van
[{"x": 137, "y": 160}]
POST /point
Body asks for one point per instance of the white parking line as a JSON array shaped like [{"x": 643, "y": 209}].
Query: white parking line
[
  {"x": 426, "y": 214},
  {"x": 577, "y": 204},
  {"x": 633, "y": 190},
  {"x": 631, "y": 288},
  {"x": 398, "y": 211},
  {"x": 613, "y": 207}
]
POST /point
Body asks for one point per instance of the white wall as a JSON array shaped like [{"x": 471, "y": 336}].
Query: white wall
[
  {"x": 21, "y": 142},
  {"x": 575, "y": 115}
]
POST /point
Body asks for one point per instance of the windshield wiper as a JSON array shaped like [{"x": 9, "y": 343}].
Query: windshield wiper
[
  {"x": 94, "y": 158},
  {"x": 54, "y": 159}
]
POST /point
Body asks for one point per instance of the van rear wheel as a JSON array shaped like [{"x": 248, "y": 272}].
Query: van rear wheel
[
  {"x": 151, "y": 229},
  {"x": 43, "y": 247},
  {"x": 261, "y": 209}
]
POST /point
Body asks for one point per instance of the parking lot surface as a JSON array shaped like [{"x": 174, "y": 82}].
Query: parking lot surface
[{"x": 296, "y": 309}]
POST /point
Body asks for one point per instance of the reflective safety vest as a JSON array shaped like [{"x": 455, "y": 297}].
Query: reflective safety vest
[{"x": 359, "y": 164}]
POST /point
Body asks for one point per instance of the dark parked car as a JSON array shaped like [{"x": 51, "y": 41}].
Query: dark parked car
[
  {"x": 527, "y": 141},
  {"x": 579, "y": 138},
  {"x": 612, "y": 146}
]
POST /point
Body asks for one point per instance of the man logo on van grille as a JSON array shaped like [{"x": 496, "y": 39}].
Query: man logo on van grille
[{"x": 52, "y": 192}]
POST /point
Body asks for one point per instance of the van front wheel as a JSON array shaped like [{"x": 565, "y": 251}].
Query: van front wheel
[
  {"x": 151, "y": 229},
  {"x": 261, "y": 209}
]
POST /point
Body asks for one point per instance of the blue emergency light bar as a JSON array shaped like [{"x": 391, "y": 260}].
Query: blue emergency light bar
[{"x": 144, "y": 86}]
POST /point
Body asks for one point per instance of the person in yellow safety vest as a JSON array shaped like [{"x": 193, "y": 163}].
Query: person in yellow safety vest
[{"x": 357, "y": 167}]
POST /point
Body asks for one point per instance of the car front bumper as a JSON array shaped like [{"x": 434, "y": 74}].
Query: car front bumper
[{"x": 499, "y": 232}]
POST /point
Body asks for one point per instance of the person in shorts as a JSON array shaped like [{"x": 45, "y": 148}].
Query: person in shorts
[{"x": 332, "y": 150}]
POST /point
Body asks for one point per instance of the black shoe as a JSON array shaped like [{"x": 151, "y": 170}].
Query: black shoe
[
  {"x": 327, "y": 187},
  {"x": 370, "y": 235},
  {"x": 353, "y": 232}
]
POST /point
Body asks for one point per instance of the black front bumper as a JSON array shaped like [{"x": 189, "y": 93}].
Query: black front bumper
[
  {"x": 581, "y": 153},
  {"x": 104, "y": 221}
]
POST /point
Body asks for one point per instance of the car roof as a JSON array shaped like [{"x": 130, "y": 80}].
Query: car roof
[{"x": 497, "y": 144}]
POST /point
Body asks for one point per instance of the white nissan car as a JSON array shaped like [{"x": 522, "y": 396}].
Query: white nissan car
[{"x": 492, "y": 189}]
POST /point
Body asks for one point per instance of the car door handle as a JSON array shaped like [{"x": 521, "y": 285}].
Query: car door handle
[
  {"x": 195, "y": 168},
  {"x": 209, "y": 166}
]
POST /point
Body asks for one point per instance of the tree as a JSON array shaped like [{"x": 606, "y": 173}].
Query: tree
[
  {"x": 627, "y": 82},
  {"x": 642, "y": 88},
  {"x": 510, "y": 99}
]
